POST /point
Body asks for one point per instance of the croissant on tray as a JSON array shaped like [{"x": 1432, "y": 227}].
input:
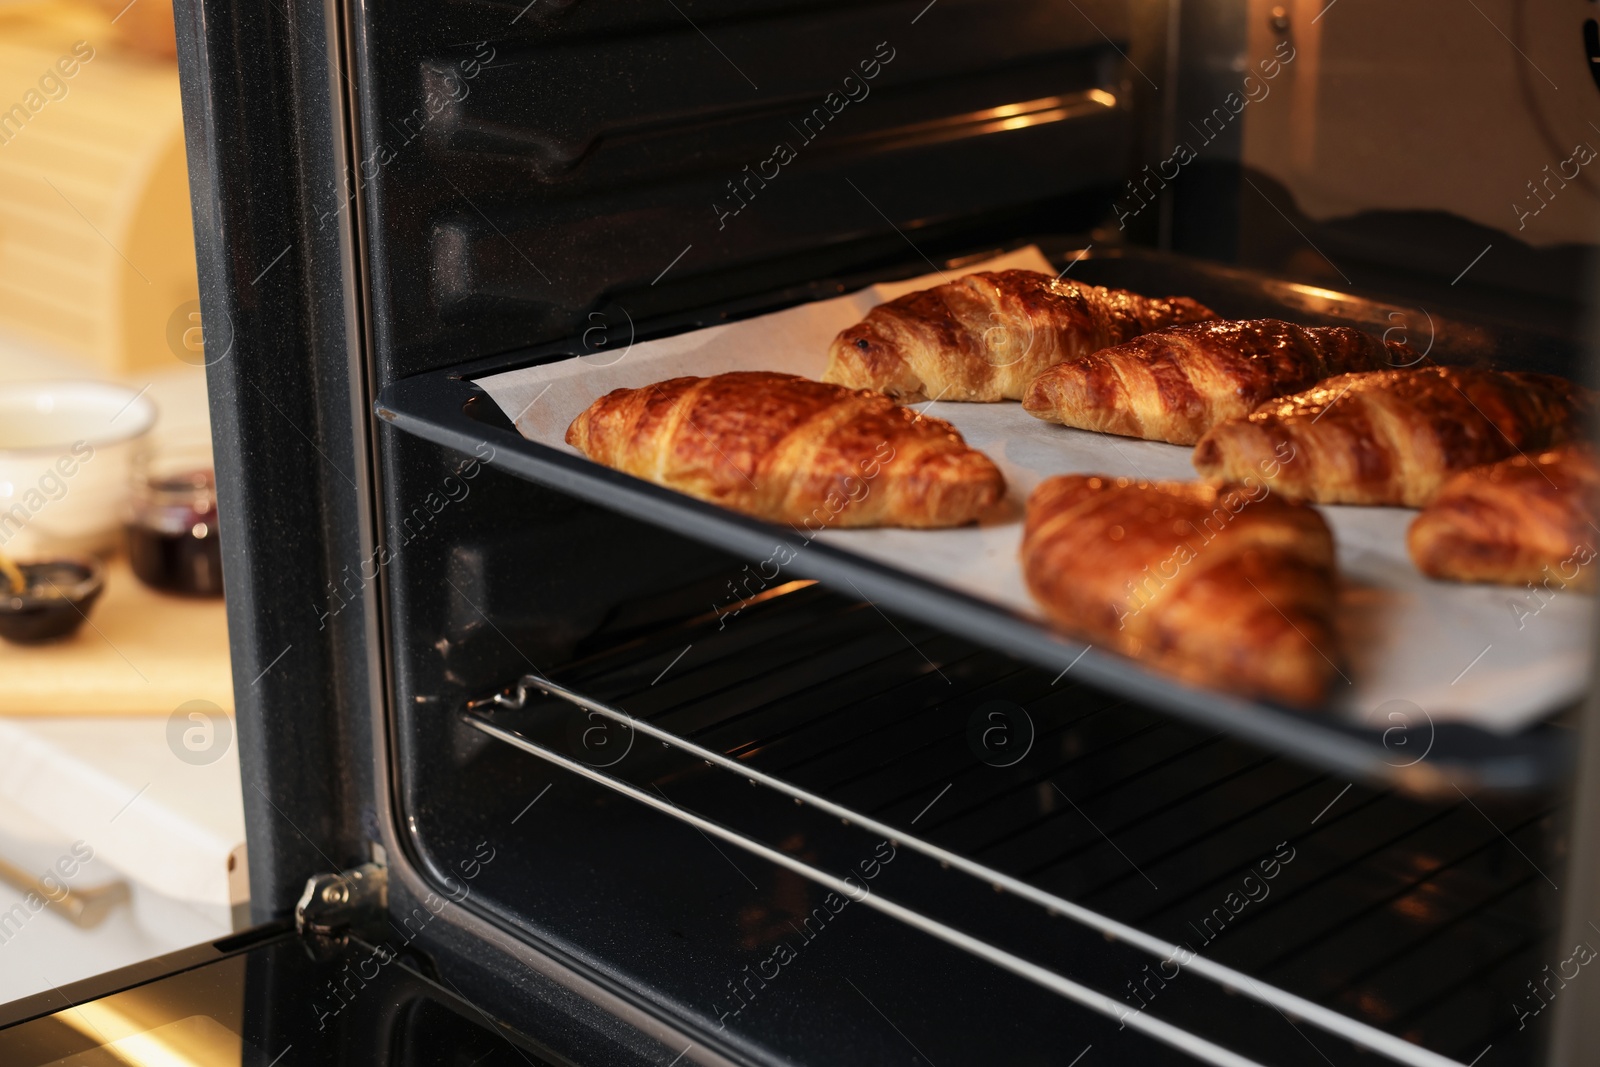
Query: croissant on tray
[
  {"x": 1525, "y": 519},
  {"x": 987, "y": 335},
  {"x": 1175, "y": 384},
  {"x": 1392, "y": 436},
  {"x": 791, "y": 450},
  {"x": 1221, "y": 587}
]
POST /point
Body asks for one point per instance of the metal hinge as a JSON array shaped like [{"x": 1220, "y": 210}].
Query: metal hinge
[{"x": 352, "y": 900}]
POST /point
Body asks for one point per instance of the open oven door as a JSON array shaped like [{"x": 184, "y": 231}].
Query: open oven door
[{"x": 262, "y": 999}]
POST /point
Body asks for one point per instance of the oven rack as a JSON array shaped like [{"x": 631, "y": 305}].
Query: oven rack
[
  {"x": 1342, "y": 1027},
  {"x": 447, "y": 408},
  {"x": 756, "y": 706}
]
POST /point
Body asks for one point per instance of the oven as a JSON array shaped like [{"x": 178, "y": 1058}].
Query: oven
[{"x": 577, "y": 753}]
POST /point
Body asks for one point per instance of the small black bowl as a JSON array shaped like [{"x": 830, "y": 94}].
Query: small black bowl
[{"x": 57, "y": 600}]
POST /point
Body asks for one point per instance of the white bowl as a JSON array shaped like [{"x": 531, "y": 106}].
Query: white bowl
[{"x": 66, "y": 448}]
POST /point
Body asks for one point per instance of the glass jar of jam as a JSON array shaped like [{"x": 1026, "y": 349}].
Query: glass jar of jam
[{"x": 172, "y": 525}]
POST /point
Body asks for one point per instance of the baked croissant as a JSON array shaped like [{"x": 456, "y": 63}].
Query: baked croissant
[
  {"x": 791, "y": 450},
  {"x": 1524, "y": 519},
  {"x": 1221, "y": 587},
  {"x": 1393, "y": 436},
  {"x": 987, "y": 335},
  {"x": 1175, "y": 384}
]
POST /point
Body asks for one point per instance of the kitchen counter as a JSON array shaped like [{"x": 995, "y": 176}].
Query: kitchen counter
[
  {"x": 141, "y": 653},
  {"x": 164, "y": 819}
]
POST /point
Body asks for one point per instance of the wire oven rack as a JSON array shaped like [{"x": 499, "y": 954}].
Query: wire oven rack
[
  {"x": 445, "y": 407},
  {"x": 869, "y": 729}
]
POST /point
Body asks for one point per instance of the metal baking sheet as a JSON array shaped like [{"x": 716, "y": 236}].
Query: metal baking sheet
[
  {"x": 1396, "y": 744},
  {"x": 1479, "y": 654}
]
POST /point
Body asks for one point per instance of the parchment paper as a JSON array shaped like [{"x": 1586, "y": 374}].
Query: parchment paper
[{"x": 1498, "y": 657}]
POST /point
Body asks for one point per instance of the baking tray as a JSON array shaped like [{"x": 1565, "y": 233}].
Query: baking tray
[{"x": 1408, "y": 750}]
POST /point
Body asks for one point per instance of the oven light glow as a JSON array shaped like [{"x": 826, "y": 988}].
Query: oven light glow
[
  {"x": 196, "y": 1041},
  {"x": 1322, "y": 294}
]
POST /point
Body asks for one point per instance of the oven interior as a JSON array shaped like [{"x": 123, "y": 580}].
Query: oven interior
[{"x": 1421, "y": 917}]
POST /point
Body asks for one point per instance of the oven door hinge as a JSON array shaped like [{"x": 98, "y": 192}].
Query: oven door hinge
[{"x": 352, "y": 901}]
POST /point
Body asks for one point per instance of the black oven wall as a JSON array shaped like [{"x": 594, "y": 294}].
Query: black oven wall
[
  {"x": 1375, "y": 150},
  {"x": 532, "y": 173}
]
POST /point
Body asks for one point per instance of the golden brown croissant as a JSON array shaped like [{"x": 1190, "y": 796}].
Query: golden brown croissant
[
  {"x": 1219, "y": 586},
  {"x": 1175, "y": 384},
  {"x": 987, "y": 335},
  {"x": 1391, "y": 437},
  {"x": 1524, "y": 519},
  {"x": 792, "y": 450}
]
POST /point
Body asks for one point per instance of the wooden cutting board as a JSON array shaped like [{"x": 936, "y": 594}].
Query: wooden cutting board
[{"x": 141, "y": 653}]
